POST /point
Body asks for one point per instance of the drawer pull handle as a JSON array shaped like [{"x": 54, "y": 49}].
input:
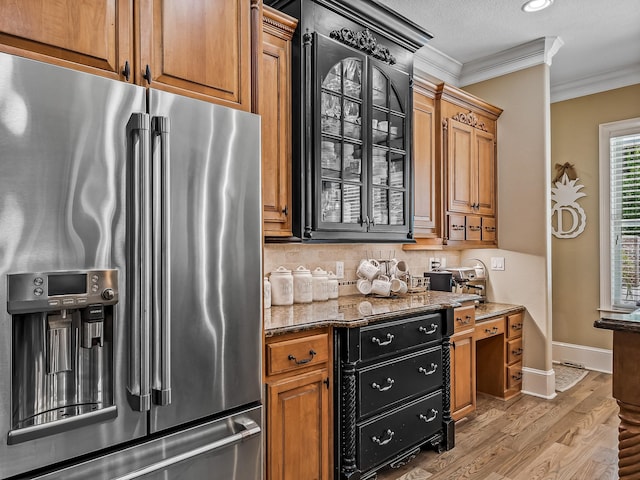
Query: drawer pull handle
[
  {"x": 381, "y": 343},
  {"x": 425, "y": 419},
  {"x": 516, "y": 326},
  {"x": 424, "y": 371},
  {"x": 434, "y": 329},
  {"x": 304, "y": 360},
  {"x": 517, "y": 376},
  {"x": 389, "y": 433},
  {"x": 380, "y": 388},
  {"x": 518, "y": 351},
  {"x": 466, "y": 321},
  {"x": 491, "y": 331}
]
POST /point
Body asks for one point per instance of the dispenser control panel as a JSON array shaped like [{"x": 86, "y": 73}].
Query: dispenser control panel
[{"x": 47, "y": 291}]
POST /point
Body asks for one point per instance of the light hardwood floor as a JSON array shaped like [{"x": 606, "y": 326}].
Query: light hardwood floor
[{"x": 572, "y": 437}]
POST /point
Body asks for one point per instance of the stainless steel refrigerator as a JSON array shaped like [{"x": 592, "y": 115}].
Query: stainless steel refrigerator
[{"x": 130, "y": 281}]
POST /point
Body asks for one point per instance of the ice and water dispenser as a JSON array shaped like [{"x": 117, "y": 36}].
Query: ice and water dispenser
[{"x": 62, "y": 350}]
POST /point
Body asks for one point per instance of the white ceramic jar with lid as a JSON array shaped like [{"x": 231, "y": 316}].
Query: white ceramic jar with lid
[
  {"x": 332, "y": 285},
  {"x": 281, "y": 287},
  {"x": 302, "y": 285},
  {"x": 267, "y": 293},
  {"x": 320, "y": 285}
]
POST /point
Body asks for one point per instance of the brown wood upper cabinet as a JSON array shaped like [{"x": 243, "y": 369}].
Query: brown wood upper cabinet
[
  {"x": 96, "y": 37},
  {"x": 197, "y": 48},
  {"x": 274, "y": 106},
  {"x": 468, "y": 145}
]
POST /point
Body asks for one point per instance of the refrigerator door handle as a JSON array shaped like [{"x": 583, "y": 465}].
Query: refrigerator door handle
[
  {"x": 160, "y": 127},
  {"x": 139, "y": 224},
  {"x": 249, "y": 428}
]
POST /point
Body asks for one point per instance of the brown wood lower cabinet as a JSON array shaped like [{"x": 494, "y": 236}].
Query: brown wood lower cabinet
[{"x": 298, "y": 406}]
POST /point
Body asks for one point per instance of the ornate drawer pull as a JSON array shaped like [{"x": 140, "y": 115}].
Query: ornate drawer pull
[
  {"x": 516, "y": 326},
  {"x": 425, "y": 419},
  {"x": 304, "y": 360},
  {"x": 457, "y": 228},
  {"x": 474, "y": 228},
  {"x": 377, "y": 340},
  {"x": 466, "y": 321},
  {"x": 389, "y": 433},
  {"x": 516, "y": 352},
  {"x": 434, "y": 329},
  {"x": 380, "y": 388},
  {"x": 491, "y": 331},
  {"x": 490, "y": 229},
  {"x": 424, "y": 371},
  {"x": 517, "y": 376}
]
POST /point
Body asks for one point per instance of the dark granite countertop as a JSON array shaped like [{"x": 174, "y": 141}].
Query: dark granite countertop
[
  {"x": 625, "y": 322},
  {"x": 357, "y": 310}
]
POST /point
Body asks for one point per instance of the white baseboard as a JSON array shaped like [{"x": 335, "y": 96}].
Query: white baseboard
[
  {"x": 591, "y": 358},
  {"x": 539, "y": 383}
]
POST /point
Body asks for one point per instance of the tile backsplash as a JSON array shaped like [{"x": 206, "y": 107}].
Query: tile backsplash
[{"x": 292, "y": 255}]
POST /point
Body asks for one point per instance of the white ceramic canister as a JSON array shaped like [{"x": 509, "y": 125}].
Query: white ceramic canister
[
  {"x": 267, "y": 293},
  {"x": 320, "y": 285},
  {"x": 302, "y": 285},
  {"x": 332, "y": 284},
  {"x": 281, "y": 287}
]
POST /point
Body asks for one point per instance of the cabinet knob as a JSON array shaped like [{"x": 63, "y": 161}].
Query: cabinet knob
[
  {"x": 285, "y": 210},
  {"x": 147, "y": 74},
  {"x": 126, "y": 71}
]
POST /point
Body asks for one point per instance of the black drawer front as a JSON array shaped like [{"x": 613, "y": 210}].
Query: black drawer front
[
  {"x": 386, "y": 436},
  {"x": 384, "y": 339},
  {"x": 399, "y": 378}
]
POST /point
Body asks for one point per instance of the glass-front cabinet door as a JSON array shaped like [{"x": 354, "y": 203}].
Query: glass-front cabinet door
[{"x": 360, "y": 162}]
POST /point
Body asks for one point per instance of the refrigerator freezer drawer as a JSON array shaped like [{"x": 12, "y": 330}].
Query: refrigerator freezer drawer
[{"x": 231, "y": 447}]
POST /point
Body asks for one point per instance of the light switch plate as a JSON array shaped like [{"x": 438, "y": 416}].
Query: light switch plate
[
  {"x": 497, "y": 263},
  {"x": 339, "y": 269}
]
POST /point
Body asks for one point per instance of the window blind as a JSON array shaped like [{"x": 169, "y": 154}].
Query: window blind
[{"x": 625, "y": 219}]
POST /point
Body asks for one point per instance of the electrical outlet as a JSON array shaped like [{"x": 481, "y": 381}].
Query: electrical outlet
[
  {"x": 432, "y": 264},
  {"x": 443, "y": 263},
  {"x": 497, "y": 263},
  {"x": 339, "y": 269}
]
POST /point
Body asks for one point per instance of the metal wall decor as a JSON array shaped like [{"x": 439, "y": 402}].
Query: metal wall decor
[{"x": 365, "y": 42}]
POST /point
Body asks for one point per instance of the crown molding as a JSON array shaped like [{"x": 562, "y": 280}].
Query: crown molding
[
  {"x": 432, "y": 62},
  {"x": 596, "y": 84},
  {"x": 535, "y": 52}
]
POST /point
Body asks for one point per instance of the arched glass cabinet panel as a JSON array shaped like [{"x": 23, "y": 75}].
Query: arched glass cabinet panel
[{"x": 359, "y": 160}]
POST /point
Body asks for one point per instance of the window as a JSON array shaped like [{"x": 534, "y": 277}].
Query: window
[{"x": 620, "y": 214}]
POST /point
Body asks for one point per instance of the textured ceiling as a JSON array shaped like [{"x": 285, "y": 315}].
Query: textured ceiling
[{"x": 599, "y": 37}]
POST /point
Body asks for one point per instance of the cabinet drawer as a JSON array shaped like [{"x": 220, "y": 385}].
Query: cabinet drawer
[
  {"x": 474, "y": 228},
  {"x": 384, "y": 339},
  {"x": 464, "y": 318},
  {"x": 514, "y": 325},
  {"x": 489, "y": 328},
  {"x": 386, "y": 383},
  {"x": 387, "y": 435},
  {"x": 456, "y": 227},
  {"x": 300, "y": 352},
  {"x": 488, "y": 229},
  {"x": 514, "y": 375},
  {"x": 514, "y": 350}
]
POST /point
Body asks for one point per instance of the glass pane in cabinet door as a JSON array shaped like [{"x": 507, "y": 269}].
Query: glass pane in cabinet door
[
  {"x": 396, "y": 208},
  {"x": 330, "y": 154},
  {"x": 331, "y": 114},
  {"x": 331, "y": 202},
  {"x": 352, "y": 162},
  {"x": 351, "y": 204},
  {"x": 380, "y": 206},
  {"x": 380, "y": 168},
  {"x": 394, "y": 101},
  {"x": 352, "y": 70},
  {"x": 333, "y": 80},
  {"x": 379, "y": 128},
  {"x": 379, "y": 88},
  {"x": 352, "y": 120},
  {"x": 396, "y": 132},
  {"x": 396, "y": 170}
]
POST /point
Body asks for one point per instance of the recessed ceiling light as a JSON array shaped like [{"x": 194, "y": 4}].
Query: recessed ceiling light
[{"x": 536, "y": 5}]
